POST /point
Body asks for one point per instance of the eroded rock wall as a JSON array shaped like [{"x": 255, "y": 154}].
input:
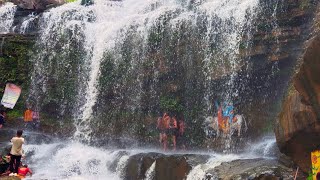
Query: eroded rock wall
[{"x": 298, "y": 125}]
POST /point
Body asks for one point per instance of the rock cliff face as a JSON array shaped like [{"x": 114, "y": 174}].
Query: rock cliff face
[{"x": 298, "y": 125}]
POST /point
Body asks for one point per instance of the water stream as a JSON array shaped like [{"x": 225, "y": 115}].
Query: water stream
[{"x": 7, "y": 12}]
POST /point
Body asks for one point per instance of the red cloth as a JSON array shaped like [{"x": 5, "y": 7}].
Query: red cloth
[{"x": 23, "y": 171}]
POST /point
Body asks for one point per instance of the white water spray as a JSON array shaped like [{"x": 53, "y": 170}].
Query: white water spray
[
  {"x": 151, "y": 171},
  {"x": 7, "y": 12},
  {"x": 26, "y": 23},
  {"x": 71, "y": 161}
]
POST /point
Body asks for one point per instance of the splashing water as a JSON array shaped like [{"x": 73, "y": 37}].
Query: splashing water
[
  {"x": 151, "y": 171},
  {"x": 71, "y": 161},
  {"x": 7, "y": 12},
  {"x": 198, "y": 172},
  {"x": 266, "y": 147}
]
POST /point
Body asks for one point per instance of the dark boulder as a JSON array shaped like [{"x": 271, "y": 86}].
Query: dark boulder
[
  {"x": 253, "y": 169},
  {"x": 37, "y": 4},
  {"x": 168, "y": 167}
]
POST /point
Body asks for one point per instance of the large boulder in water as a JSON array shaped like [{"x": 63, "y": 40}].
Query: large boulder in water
[
  {"x": 252, "y": 169},
  {"x": 161, "y": 166},
  {"x": 298, "y": 126}
]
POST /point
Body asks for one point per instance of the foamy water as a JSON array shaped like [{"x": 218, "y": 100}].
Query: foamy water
[{"x": 72, "y": 160}]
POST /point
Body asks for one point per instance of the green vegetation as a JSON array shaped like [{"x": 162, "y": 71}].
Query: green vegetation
[
  {"x": 15, "y": 68},
  {"x": 304, "y": 4},
  {"x": 170, "y": 104},
  {"x": 242, "y": 45}
]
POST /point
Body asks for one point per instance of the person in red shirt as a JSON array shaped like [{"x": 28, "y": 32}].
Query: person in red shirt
[{"x": 24, "y": 170}]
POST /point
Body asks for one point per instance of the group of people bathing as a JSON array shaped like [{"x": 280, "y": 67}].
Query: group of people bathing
[
  {"x": 10, "y": 164},
  {"x": 171, "y": 128}
]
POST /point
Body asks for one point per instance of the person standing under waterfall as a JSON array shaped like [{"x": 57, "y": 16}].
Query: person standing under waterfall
[
  {"x": 173, "y": 131},
  {"x": 166, "y": 121},
  {"x": 28, "y": 115},
  {"x": 221, "y": 122},
  {"x": 228, "y": 112},
  {"x": 181, "y": 137},
  {"x": 16, "y": 152},
  {"x": 162, "y": 131}
]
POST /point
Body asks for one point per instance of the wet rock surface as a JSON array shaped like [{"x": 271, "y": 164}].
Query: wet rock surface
[
  {"x": 168, "y": 167},
  {"x": 298, "y": 126},
  {"x": 178, "y": 166},
  {"x": 252, "y": 169},
  {"x": 37, "y": 4}
]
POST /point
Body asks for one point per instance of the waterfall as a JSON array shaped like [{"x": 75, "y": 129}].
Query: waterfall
[
  {"x": 27, "y": 23},
  {"x": 225, "y": 33},
  {"x": 7, "y": 12},
  {"x": 96, "y": 64},
  {"x": 151, "y": 171}
]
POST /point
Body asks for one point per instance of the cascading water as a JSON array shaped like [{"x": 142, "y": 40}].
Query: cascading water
[
  {"x": 27, "y": 23},
  {"x": 120, "y": 49},
  {"x": 150, "y": 172},
  {"x": 7, "y": 12},
  {"x": 111, "y": 68}
]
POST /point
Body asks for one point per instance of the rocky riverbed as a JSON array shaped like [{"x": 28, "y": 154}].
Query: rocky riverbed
[{"x": 151, "y": 164}]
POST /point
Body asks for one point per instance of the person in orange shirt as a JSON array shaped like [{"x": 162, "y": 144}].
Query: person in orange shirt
[{"x": 28, "y": 115}]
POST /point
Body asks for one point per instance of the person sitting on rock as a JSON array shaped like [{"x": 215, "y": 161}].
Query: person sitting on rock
[{"x": 23, "y": 171}]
